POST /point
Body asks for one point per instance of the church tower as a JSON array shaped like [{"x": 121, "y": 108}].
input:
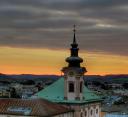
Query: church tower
[
  {"x": 70, "y": 90},
  {"x": 73, "y": 74}
]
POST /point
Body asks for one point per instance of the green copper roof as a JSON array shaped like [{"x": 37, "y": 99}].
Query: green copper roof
[{"x": 55, "y": 93}]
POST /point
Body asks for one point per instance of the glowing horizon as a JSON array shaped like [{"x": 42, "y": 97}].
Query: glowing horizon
[
  {"x": 45, "y": 61},
  {"x": 32, "y": 32}
]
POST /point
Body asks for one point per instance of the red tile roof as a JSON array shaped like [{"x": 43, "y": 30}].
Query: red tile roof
[{"x": 39, "y": 107}]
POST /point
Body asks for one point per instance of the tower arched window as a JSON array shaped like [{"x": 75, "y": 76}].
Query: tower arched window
[
  {"x": 81, "y": 86},
  {"x": 97, "y": 111},
  {"x": 85, "y": 113},
  {"x": 71, "y": 87},
  {"x": 91, "y": 112},
  {"x": 81, "y": 114}
]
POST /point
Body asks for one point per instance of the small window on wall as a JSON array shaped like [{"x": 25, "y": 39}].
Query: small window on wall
[
  {"x": 85, "y": 113},
  {"x": 91, "y": 112},
  {"x": 81, "y": 85},
  {"x": 81, "y": 114},
  {"x": 97, "y": 111},
  {"x": 71, "y": 87}
]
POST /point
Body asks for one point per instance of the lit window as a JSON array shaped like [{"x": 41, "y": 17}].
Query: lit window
[{"x": 71, "y": 87}]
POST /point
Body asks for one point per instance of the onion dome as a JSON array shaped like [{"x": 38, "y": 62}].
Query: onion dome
[{"x": 74, "y": 60}]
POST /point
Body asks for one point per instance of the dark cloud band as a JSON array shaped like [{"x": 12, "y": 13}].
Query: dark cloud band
[{"x": 102, "y": 24}]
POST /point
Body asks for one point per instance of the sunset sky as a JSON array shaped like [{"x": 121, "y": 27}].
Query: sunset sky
[{"x": 35, "y": 35}]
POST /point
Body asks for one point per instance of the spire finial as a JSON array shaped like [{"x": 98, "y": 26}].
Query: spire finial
[{"x": 74, "y": 30}]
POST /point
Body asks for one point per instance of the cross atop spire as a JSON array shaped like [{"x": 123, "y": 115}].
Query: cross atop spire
[{"x": 74, "y": 30}]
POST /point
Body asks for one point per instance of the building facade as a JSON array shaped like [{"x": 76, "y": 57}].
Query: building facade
[{"x": 69, "y": 114}]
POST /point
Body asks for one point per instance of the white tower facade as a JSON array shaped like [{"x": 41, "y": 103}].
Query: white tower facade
[{"x": 73, "y": 83}]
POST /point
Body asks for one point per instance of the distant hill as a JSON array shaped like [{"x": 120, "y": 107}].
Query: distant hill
[
  {"x": 31, "y": 76},
  {"x": 107, "y": 78},
  {"x": 23, "y": 77},
  {"x": 4, "y": 76}
]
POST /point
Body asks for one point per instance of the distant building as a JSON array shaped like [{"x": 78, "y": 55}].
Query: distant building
[
  {"x": 28, "y": 90},
  {"x": 5, "y": 94},
  {"x": 70, "y": 90},
  {"x": 4, "y": 91},
  {"x": 32, "y": 108},
  {"x": 24, "y": 90},
  {"x": 120, "y": 92},
  {"x": 115, "y": 115},
  {"x": 115, "y": 86}
]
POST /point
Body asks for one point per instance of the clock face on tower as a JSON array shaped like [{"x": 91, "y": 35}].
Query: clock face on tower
[{"x": 71, "y": 73}]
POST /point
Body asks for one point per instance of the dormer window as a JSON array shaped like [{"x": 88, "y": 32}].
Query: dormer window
[{"x": 71, "y": 86}]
